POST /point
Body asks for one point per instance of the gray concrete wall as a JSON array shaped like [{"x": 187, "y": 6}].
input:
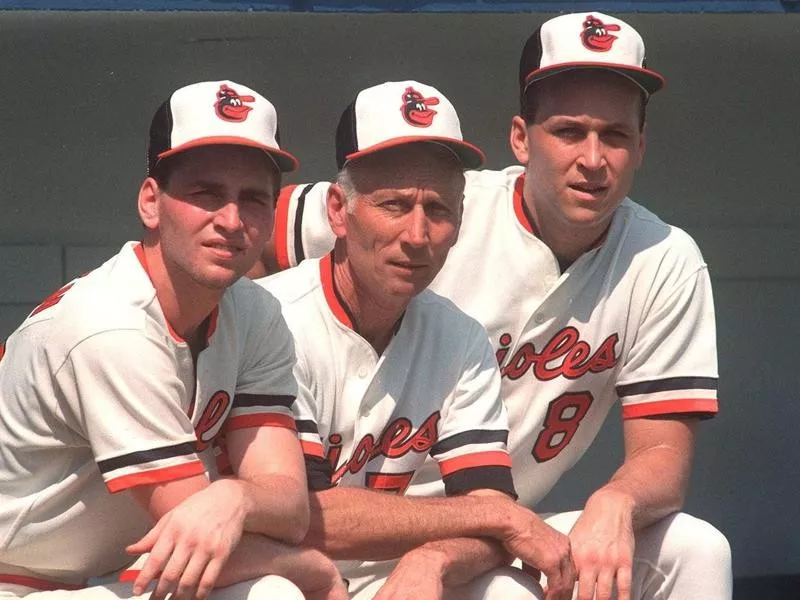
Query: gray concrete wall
[{"x": 78, "y": 90}]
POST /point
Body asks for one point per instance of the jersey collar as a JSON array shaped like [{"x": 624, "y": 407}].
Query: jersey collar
[
  {"x": 210, "y": 322},
  {"x": 524, "y": 215},
  {"x": 332, "y": 295},
  {"x": 334, "y": 299}
]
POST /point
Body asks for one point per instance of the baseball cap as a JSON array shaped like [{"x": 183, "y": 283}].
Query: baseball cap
[
  {"x": 401, "y": 112},
  {"x": 216, "y": 112},
  {"x": 588, "y": 40}
]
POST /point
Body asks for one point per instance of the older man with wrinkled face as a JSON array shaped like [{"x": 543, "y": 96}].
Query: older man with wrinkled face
[{"x": 392, "y": 375}]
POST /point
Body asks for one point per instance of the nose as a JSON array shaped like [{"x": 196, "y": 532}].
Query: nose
[
  {"x": 593, "y": 156},
  {"x": 417, "y": 231},
  {"x": 228, "y": 217}
]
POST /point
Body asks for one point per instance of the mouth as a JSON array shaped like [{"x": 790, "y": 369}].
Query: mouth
[
  {"x": 411, "y": 267},
  {"x": 591, "y": 190},
  {"x": 225, "y": 250}
]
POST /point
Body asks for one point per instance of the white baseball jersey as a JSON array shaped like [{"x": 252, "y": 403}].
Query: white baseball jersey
[
  {"x": 632, "y": 320},
  {"x": 370, "y": 421},
  {"x": 98, "y": 395}
]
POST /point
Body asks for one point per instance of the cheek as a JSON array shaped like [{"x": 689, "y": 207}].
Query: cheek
[
  {"x": 443, "y": 236},
  {"x": 183, "y": 216},
  {"x": 258, "y": 220},
  {"x": 625, "y": 163}
]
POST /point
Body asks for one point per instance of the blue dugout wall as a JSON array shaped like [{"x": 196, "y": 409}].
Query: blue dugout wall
[{"x": 79, "y": 87}]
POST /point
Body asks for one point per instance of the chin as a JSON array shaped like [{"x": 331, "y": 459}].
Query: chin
[
  {"x": 218, "y": 278},
  {"x": 588, "y": 217},
  {"x": 405, "y": 290}
]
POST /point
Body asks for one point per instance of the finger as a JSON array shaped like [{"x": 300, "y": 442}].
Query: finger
[
  {"x": 569, "y": 572},
  {"x": 557, "y": 588},
  {"x": 605, "y": 582},
  {"x": 586, "y": 583},
  {"x": 145, "y": 544},
  {"x": 189, "y": 579},
  {"x": 532, "y": 571},
  {"x": 209, "y": 578},
  {"x": 152, "y": 566},
  {"x": 171, "y": 573},
  {"x": 624, "y": 576}
]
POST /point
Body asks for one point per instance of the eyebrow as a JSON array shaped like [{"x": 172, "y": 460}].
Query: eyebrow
[
  {"x": 216, "y": 186},
  {"x": 573, "y": 120}
]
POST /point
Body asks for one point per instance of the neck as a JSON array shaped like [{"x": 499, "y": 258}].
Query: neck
[
  {"x": 567, "y": 242},
  {"x": 184, "y": 302},
  {"x": 374, "y": 318}
]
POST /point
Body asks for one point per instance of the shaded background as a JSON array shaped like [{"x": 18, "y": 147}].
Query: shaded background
[{"x": 79, "y": 88}]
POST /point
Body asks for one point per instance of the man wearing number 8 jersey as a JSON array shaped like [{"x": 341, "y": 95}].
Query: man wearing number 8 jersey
[{"x": 589, "y": 300}]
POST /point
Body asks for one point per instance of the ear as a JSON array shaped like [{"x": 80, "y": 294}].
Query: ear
[
  {"x": 149, "y": 196},
  {"x": 336, "y": 205},
  {"x": 642, "y": 145},
  {"x": 519, "y": 139}
]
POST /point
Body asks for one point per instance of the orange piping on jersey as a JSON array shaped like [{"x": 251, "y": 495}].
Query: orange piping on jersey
[
  {"x": 312, "y": 449},
  {"x": 526, "y": 219},
  {"x": 260, "y": 420},
  {"x": 282, "y": 225},
  {"x": 42, "y": 585},
  {"x": 326, "y": 276},
  {"x": 519, "y": 209},
  {"x": 666, "y": 407},
  {"x": 495, "y": 458},
  {"x": 156, "y": 476},
  {"x": 138, "y": 249}
]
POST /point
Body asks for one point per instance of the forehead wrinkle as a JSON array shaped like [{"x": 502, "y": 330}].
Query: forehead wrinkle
[{"x": 407, "y": 180}]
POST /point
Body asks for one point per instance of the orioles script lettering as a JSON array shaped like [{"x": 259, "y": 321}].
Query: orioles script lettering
[
  {"x": 565, "y": 355},
  {"x": 397, "y": 439}
]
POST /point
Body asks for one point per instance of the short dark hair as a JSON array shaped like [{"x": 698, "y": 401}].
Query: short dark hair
[
  {"x": 163, "y": 169},
  {"x": 528, "y": 104}
]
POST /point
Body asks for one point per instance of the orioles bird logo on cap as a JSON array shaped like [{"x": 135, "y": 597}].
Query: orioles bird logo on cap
[
  {"x": 415, "y": 109},
  {"x": 595, "y": 34},
  {"x": 230, "y": 105}
]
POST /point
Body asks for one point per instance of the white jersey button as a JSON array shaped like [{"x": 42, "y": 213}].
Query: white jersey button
[
  {"x": 539, "y": 318},
  {"x": 362, "y": 372}
]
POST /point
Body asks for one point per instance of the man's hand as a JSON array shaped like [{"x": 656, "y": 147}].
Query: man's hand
[
  {"x": 417, "y": 576},
  {"x": 189, "y": 545},
  {"x": 318, "y": 578},
  {"x": 602, "y": 546},
  {"x": 539, "y": 545}
]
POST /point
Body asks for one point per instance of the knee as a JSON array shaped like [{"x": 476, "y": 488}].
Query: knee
[
  {"x": 276, "y": 587},
  {"x": 696, "y": 540},
  {"x": 270, "y": 586},
  {"x": 505, "y": 583}
]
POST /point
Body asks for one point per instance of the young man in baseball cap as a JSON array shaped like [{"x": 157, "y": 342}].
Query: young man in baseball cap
[
  {"x": 117, "y": 389},
  {"x": 391, "y": 375},
  {"x": 589, "y": 300}
]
